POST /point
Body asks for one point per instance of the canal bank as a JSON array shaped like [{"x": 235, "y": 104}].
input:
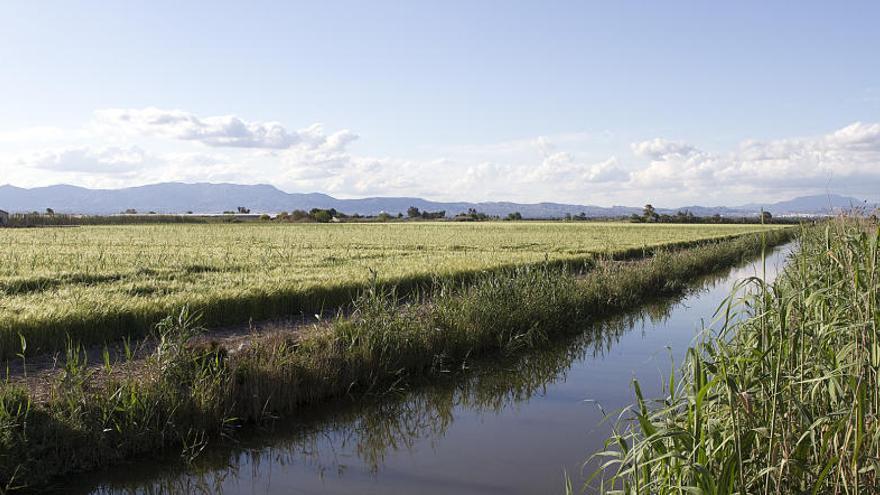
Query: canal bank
[{"x": 513, "y": 425}]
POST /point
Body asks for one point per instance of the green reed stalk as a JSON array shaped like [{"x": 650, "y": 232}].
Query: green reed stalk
[{"x": 784, "y": 400}]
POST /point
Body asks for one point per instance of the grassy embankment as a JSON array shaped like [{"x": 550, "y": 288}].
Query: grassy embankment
[
  {"x": 102, "y": 283},
  {"x": 786, "y": 400},
  {"x": 185, "y": 396}
]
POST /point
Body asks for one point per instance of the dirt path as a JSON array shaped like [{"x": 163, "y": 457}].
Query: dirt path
[{"x": 39, "y": 373}]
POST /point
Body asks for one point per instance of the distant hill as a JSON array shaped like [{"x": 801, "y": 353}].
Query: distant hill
[
  {"x": 174, "y": 197},
  {"x": 812, "y": 205}
]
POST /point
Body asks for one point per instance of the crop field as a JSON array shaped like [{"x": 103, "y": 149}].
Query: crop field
[{"x": 102, "y": 282}]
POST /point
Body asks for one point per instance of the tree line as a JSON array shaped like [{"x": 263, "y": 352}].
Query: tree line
[{"x": 650, "y": 215}]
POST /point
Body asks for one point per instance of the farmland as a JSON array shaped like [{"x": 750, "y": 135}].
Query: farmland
[
  {"x": 101, "y": 282},
  {"x": 185, "y": 395}
]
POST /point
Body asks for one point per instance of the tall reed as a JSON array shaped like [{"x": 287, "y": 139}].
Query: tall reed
[{"x": 783, "y": 397}]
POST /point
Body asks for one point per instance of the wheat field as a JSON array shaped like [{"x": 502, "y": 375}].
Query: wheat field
[{"x": 99, "y": 282}]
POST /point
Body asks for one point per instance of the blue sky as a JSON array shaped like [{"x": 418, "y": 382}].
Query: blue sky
[{"x": 588, "y": 102}]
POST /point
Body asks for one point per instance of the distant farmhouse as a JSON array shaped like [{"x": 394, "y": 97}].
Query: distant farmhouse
[{"x": 4, "y": 218}]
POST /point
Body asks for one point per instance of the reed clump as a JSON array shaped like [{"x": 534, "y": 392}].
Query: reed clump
[
  {"x": 782, "y": 397},
  {"x": 190, "y": 395}
]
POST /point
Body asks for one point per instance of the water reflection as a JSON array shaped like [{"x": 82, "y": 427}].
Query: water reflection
[{"x": 505, "y": 425}]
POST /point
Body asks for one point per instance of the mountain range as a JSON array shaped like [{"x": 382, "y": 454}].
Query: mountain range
[{"x": 175, "y": 197}]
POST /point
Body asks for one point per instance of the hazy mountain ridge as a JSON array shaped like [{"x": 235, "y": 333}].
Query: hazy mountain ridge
[{"x": 175, "y": 197}]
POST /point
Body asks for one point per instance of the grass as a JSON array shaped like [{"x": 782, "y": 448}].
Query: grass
[
  {"x": 783, "y": 397},
  {"x": 186, "y": 396},
  {"x": 101, "y": 283}
]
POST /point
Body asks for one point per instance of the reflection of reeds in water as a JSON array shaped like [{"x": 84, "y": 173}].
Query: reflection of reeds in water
[{"x": 373, "y": 429}]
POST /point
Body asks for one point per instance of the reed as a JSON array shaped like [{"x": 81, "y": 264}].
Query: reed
[{"x": 781, "y": 397}]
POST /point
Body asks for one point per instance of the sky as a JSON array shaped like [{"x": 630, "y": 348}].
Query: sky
[{"x": 605, "y": 103}]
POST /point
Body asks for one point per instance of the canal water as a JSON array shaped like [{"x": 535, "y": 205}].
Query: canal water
[{"x": 509, "y": 426}]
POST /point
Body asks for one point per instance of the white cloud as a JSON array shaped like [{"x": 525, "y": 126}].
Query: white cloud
[
  {"x": 858, "y": 135},
  {"x": 565, "y": 170},
  {"x": 219, "y": 131},
  {"x": 136, "y": 146},
  {"x": 662, "y": 149},
  {"x": 847, "y": 159}
]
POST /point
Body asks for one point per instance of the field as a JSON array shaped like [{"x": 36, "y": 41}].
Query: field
[
  {"x": 186, "y": 394},
  {"x": 101, "y": 282}
]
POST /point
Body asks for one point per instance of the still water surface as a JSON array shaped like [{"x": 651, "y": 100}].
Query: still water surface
[{"x": 503, "y": 427}]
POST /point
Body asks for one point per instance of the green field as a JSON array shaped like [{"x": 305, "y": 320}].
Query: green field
[{"x": 100, "y": 282}]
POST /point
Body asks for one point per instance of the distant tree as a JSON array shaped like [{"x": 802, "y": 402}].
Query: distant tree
[
  {"x": 131, "y": 211},
  {"x": 514, "y": 216},
  {"x": 684, "y": 217},
  {"x": 400, "y": 215},
  {"x": 243, "y": 210},
  {"x": 383, "y": 217},
  {"x": 650, "y": 214},
  {"x": 265, "y": 217},
  {"x": 413, "y": 212},
  {"x": 50, "y": 212},
  {"x": 299, "y": 215},
  {"x": 472, "y": 214},
  {"x": 568, "y": 217},
  {"x": 636, "y": 218},
  {"x": 321, "y": 216},
  {"x": 431, "y": 215},
  {"x": 766, "y": 217}
]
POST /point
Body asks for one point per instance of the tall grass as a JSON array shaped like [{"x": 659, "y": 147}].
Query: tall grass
[
  {"x": 103, "y": 283},
  {"x": 782, "y": 398},
  {"x": 189, "y": 395}
]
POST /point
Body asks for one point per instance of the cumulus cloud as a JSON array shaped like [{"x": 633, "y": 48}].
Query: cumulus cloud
[
  {"x": 858, "y": 135},
  {"x": 563, "y": 168},
  {"x": 847, "y": 158},
  {"x": 136, "y": 146},
  {"x": 662, "y": 149},
  {"x": 220, "y": 131}
]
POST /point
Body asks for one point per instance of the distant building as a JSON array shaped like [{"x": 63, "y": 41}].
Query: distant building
[{"x": 4, "y": 218}]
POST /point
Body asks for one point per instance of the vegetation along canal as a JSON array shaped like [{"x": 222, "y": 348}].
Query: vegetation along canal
[{"x": 512, "y": 425}]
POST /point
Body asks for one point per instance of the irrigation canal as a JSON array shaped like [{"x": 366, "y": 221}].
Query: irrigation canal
[{"x": 506, "y": 426}]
